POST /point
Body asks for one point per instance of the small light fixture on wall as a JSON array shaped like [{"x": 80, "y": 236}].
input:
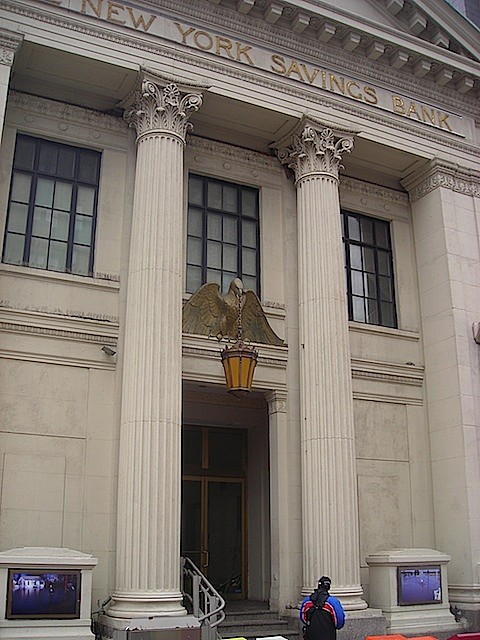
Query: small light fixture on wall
[
  {"x": 239, "y": 360},
  {"x": 108, "y": 350}
]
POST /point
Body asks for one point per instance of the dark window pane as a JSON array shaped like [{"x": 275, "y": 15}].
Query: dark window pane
[
  {"x": 358, "y": 305},
  {"x": 356, "y": 257},
  {"x": 249, "y": 261},
  {"x": 63, "y": 196},
  {"x": 88, "y": 167},
  {"x": 57, "y": 259},
  {"x": 229, "y": 198},
  {"x": 250, "y": 283},
  {"x": 230, "y": 230},
  {"x": 369, "y": 259},
  {"x": 382, "y": 235},
  {"x": 249, "y": 203},
  {"x": 357, "y": 283},
  {"x": 194, "y": 278},
  {"x": 388, "y": 314},
  {"x": 249, "y": 234},
  {"x": 66, "y": 162},
  {"x": 386, "y": 292},
  {"x": 195, "y": 190},
  {"x": 370, "y": 284},
  {"x": 195, "y": 222},
  {"x": 85, "y": 200},
  {"x": 24, "y": 153},
  {"x": 214, "y": 255},
  {"x": 60, "y": 225},
  {"x": 214, "y": 195},
  {"x": 194, "y": 251},
  {"x": 384, "y": 263},
  {"x": 17, "y": 219},
  {"x": 227, "y": 279},
  {"x": 80, "y": 260},
  {"x": 38, "y": 253},
  {"x": 41, "y": 222},
  {"x": 47, "y": 162},
  {"x": 44, "y": 193},
  {"x": 367, "y": 231},
  {"x": 83, "y": 230},
  {"x": 192, "y": 449},
  {"x": 353, "y": 228},
  {"x": 214, "y": 226},
  {"x": 372, "y": 312},
  {"x": 13, "y": 252},
  {"x": 21, "y": 184},
  {"x": 230, "y": 257}
]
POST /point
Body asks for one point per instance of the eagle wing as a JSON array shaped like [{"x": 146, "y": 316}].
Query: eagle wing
[
  {"x": 254, "y": 322},
  {"x": 205, "y": 312}
]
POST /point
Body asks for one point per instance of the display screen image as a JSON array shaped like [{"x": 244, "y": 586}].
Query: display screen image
[
  {"x": 419, "y": 585},
  {"x": 43, "y": 594}
]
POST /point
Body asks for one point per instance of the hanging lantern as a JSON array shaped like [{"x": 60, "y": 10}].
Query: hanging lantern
[
  {"x": 240, "y": 359},
  {"x": 239, "y": 362}
]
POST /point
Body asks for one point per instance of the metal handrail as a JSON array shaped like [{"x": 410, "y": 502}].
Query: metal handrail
[{"x": 207, "y": 604}]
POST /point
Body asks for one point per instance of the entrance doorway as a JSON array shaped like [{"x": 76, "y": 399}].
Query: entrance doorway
[{"x": 214, "y": 505}]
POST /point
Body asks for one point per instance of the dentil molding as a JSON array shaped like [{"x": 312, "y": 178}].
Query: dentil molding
[
  {"x": 446, "y": 175},
  {"x": 9, "y": 43}
]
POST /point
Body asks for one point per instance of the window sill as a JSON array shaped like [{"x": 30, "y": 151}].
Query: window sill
[{"x": 73, "y": 280}]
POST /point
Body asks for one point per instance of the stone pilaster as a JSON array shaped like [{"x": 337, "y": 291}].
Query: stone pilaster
[
  {"x": 329, "y": 496},
  {"x": 148, "y": 531},
  {"x": 9, "y": 43}
]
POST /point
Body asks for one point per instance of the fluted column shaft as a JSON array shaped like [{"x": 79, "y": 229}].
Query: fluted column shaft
[
  {"x": 148, "y": 543},
  {"x": 330, "y": 512}
]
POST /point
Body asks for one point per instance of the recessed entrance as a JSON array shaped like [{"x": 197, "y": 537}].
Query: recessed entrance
[{"x": 214, "y": 506}]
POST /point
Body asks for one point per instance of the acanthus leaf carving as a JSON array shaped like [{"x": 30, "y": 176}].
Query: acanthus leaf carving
[
  {"x": 316, "y": 150},
  {"x": 158, "y": 108}
]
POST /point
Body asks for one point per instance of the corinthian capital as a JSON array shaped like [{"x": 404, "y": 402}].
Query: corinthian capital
[
  {"x": 315, "y": 150},
  {"x": 157, "y": 108},
  {"x": 9, "y": 43}
]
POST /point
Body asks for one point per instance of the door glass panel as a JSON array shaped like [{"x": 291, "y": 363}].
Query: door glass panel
[
  {"x": 192, "y": 520},
  {"x": 225, "y": 536},
  {"x": 226, "y": 452}
]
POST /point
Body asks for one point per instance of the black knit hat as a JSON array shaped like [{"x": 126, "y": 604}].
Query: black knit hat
[{"x": 325, "y": 582}]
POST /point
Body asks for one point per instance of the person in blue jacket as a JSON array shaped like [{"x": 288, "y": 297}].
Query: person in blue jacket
[{"x": 321, "y": 613}]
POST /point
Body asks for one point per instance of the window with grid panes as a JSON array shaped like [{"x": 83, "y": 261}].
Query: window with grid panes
[
  {"x": 52, "y": 206},
  {"x": 369, "y": 270},
  {"x": 222, "y": 234}
]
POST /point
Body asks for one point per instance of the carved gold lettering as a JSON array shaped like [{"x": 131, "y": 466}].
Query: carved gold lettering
[
  {"x": 207, "y": 44},
  {"x": 224, "y": 44},
  {"x": 243, "y": 51},
  {"x": 293, "y": 68},
  {"x": 140, "y": 21},
  {"x": 185, "y": 33},
  {"x": 89, "y": 3},
  {"x": 356, "y": 95},
  {"x": 369, "y": 95},
  {"x": 412, "y": 110},
  {"x": 335, "y": 82},
  {"x": 442, "y": 120},
  {"x": 113, "y": 11},
  {"x": 309, "y": 77},
  {"x": 324, "y": 79},
  {"x": 280, "y": 62},
  {"x": 428, "y": 115},
  {"x": 398, "y": 105}
]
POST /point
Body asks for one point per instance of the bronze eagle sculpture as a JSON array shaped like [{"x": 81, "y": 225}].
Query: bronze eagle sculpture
[{"x": 209, "y": 313}]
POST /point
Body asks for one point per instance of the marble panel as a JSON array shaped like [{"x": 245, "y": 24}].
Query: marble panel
[{"x": 380, "y": 430}]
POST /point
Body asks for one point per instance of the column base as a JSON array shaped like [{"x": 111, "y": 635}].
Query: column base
[
  {"x": 162, "y": 627},
  {"x": 361, "y": 624},
  {"x": 146, "y": 604}
]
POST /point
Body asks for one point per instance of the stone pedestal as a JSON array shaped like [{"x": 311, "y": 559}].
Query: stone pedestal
[
  {"x": 41, "y": 563},
  {"x": 411, "y": 619}
]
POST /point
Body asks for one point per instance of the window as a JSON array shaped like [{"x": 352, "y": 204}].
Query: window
[
  {"x": 369, "y": 270},
  {"x": 52, "y": 206},
  {"x": 222, "y": 234}
]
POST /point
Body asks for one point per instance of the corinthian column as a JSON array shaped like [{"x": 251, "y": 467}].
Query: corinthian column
[
  {"x": 148, "y": 529},
  {"x": 330, "y": 513}
]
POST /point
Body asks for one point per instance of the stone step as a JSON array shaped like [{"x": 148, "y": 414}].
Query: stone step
[
  {"x": 290, "y": 634},
  {"x": 257, "y": 623}
]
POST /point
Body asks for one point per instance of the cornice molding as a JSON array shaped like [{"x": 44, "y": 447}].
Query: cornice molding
[
  {"x": 445, "y": 175},
  {"x": 58, "y": 326},
  {"x": 388, "y": 372},
  {"x": 67, "y": 112},
  {"x": 389, "y": 399},
  {"x": 372, "y": 191},
  {"x": 67, "y": 361},
  {"x": 235, "y": 154},
  {"x": 309, "y": 46},
  {"x": 246, "y": 25}
]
